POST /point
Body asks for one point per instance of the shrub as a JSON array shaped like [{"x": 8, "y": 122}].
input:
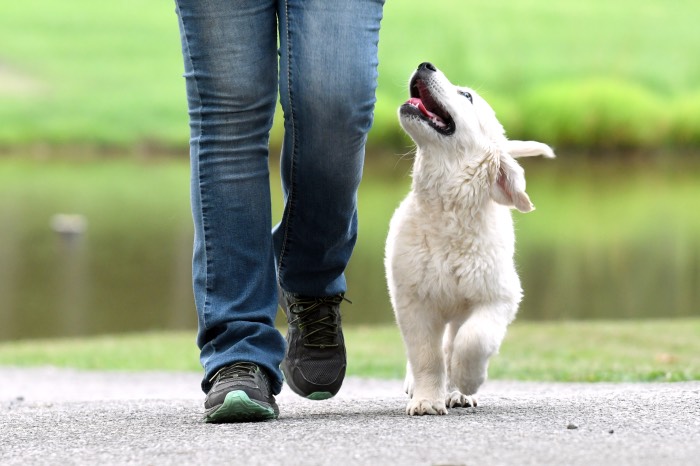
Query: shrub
[
  {"x": 685, "y": 128},
  {"x": 600, "y": 113}
]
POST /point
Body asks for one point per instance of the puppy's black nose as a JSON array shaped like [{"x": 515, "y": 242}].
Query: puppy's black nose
[{"x": 427, "y": 66}]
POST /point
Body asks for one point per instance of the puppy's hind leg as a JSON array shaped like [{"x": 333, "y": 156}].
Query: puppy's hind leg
[
  {"x": 475, "y": 342},
  {"x": 454, "y": 397}
]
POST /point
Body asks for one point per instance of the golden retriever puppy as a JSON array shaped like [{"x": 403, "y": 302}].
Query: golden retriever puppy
[{"x": 449, "y": 252}]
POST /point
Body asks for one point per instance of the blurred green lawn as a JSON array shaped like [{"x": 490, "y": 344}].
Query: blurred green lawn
[
  {"x": 565, "y": 352},
  {"x": 596, "y": 73}
]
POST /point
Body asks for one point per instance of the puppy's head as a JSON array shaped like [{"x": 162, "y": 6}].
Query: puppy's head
[
  {"x": 448, "y": 118},
  {"x": 452, "y": 122}
]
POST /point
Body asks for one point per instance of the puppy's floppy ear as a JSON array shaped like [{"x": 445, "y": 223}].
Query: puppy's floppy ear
[
  {"x": 528, "y": 149},
  {"x": 509, "y": 188}
]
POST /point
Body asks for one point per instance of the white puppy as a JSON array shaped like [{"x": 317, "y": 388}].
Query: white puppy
[{"x": 449, "y": 253}]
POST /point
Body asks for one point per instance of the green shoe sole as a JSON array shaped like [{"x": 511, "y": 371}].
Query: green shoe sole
[
  {"x": 238, "y": 407},
  {"x": 316, "y": 396},
  {"x": 320, "y": 396}
]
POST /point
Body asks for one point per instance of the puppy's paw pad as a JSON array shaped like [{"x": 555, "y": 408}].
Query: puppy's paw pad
[{"x": 420, "y": 407}]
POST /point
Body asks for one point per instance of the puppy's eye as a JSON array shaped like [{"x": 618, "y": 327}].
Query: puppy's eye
[{"x": 467, "y": 95}]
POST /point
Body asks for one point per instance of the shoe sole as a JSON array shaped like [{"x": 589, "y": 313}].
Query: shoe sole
[
  {"x": 238, "y": 407},
  {"x": 320, "y": 396},
  {"x": 316, "y": 396}
]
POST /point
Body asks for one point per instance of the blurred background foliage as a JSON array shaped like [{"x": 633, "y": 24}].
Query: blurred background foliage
[
  {"x": 93, "y": 122},
  {"x": 595, "y": 74}
]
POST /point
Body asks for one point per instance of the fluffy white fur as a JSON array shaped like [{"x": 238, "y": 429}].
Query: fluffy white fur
[{"x": 449, "y": 253}]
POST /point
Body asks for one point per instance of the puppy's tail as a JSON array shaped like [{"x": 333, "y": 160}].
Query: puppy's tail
[{"x": 528, "y": 149}]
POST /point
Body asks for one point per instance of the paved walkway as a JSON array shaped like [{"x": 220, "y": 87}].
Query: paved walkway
[{"x": 51, "y": 416}]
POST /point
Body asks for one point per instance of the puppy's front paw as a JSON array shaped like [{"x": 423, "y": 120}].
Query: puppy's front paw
[
  {"x": 458, "y": 399},
  {"x": 419, "y": 407}
]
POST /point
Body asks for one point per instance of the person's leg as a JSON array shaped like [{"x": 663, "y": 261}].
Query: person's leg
[
  {"x": 328, "y": 77},
  {"x": 230, "y": 54}
]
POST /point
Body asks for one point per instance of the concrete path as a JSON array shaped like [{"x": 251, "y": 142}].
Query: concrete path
[{"x": 51, "y": 416}]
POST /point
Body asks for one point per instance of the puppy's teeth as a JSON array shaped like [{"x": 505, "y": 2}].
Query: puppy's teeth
[{"x": 437, "y": 122}]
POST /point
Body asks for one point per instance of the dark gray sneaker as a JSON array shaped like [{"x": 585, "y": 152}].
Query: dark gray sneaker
[
  {"x": 314, "y": 365},
  {"x": 240, "y": 393}
]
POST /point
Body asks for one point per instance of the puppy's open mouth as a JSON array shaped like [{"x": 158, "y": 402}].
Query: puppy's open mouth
[{"x": 423, "y": 105}]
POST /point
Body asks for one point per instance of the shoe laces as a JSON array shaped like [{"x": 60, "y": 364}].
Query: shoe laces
[
  {"x": 318, "y": 329},
  {"x": 237, "y": 370}
]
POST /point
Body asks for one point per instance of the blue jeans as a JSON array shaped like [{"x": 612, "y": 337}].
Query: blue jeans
[{"x": 326, "y": 82}]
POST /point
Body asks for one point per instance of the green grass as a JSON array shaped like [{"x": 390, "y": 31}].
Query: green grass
[
  {"x": 647, "y": 350},
  {"x": 597, "y": 73},
  {"x": 102, "y": 74},
  {"x": 596, "y": 351}
]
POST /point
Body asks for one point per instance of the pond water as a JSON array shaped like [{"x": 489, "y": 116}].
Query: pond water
[{"x": 607, "y": 241}]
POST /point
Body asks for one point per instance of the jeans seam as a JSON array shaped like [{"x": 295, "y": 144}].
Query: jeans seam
[
  {"x": 290, "y": 197},
  {"x": 199, "y": 174}
]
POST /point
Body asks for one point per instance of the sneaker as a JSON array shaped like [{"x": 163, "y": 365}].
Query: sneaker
[
  {"x": 314, "y": 365},
  {"x": 240, "y": 393}
]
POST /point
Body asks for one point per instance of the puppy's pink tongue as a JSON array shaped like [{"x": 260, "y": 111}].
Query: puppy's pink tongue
[{"x": 416, "y": 102}]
